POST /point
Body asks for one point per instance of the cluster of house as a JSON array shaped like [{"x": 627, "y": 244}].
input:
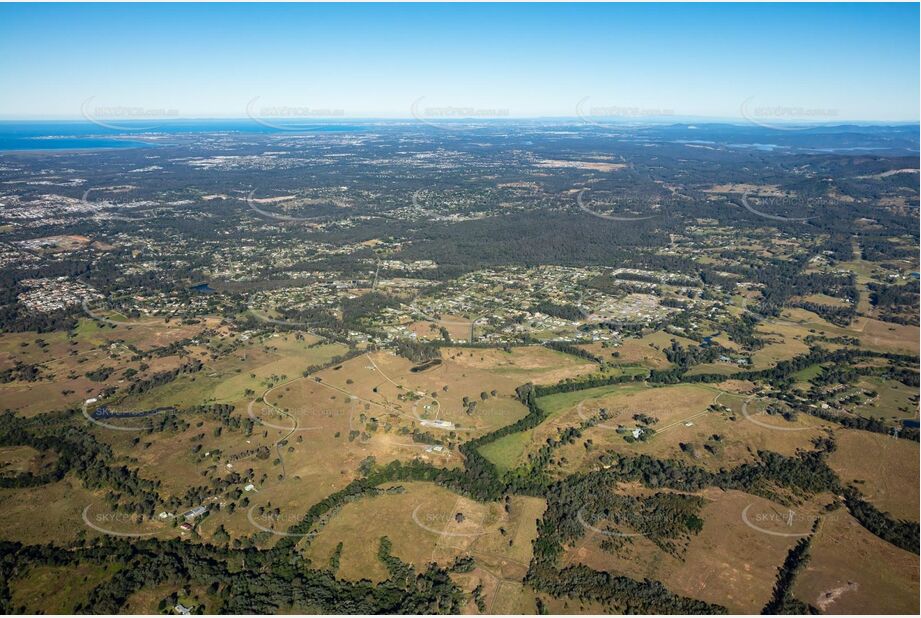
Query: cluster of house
[{"x": 190, "y": 516}]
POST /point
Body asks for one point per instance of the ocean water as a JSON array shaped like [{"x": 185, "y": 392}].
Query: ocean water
[{"x": 70, "y": 135}]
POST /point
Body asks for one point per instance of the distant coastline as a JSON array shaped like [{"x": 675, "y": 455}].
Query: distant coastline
[
  {"x": 62, "y": 136},
  {"x": 22, "y": 136}
]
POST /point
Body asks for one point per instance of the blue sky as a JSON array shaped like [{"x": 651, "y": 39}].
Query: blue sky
[{"x": 836, "y": 61}]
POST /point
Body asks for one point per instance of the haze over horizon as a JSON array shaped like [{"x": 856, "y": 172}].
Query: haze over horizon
[{"x": 792, "y": 63}]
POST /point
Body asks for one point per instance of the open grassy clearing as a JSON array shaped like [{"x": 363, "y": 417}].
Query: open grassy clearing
[
  {"x": 782, "y": 342},
  {"x": 673, "y": 406},
  {"x": 458, "y": 328},
  {"x": 661, "y": 340},
  {"x": 873, "y": 334},
  {"x": 511, "y": 451},
  {"x": 902, "y": 338},
  {"x": 507, "y": 452},
  {"x": 557, "y": 403},
  {"x": 736, "y": 387},
  {"x": 724, "y": 341},
  {"x": 893, "y": 400},
  {"x": 645, "y": 351},
  {"x": 427, "y": 523},
  {"x": 885, "y": 469},
  {"x": 51, "y": 511},
  {"x": 57, "y": 590},
  {"x": 281, "y": 355},
  {"x": 387, "y": 383},
  {"x": 16, "y": 460},
  {"x": 536, "y": 364},
  {"x": 851, "y": 571},
  {"x": 668, "y": 404},
  {"x": 711, "y": 569},
  {"x": 147, "y": 600},
  {"x": 685, "y": 429},
  {"x": 253, "y": 367},
  {"x": 688, "y": 432},
  {"x": 65, "y": 361},
  {"x": 726, "y": 369},
  {"x": 823, "y": 299},
  {"x": 803, "y": 376}
]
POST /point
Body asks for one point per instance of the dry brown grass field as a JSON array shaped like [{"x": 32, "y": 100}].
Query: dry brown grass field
[
  {"x": 712, "y": 568},
  {"x": 426, "y": 524},
  {"x": 255, "y": 366},
  {"x": 684, "y": 420},
  {"x": 873, "y": 334},
  {"x": 57, "y": 590},
  {"x": 16, "y": 460},
  {"x": 332, "y": 421},
  {"x": 893, "y": 400},
  {"x": 851, "y": 571},
  {"x": 536, "y": 364},
  {"x": 65, "y": 361},
  {"x": 782, "y": 342},
  {"x": 688, "y": 435},
  {"x": 885, "y": 469},
  {"x": 458, "y": 328},
  {"x": 51, "y": 511},
  {"x": 646, "y": 351},
  {"x": 386, "y": 383}
]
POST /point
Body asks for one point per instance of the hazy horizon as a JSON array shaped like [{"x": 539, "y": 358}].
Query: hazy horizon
[{"x": 740, "y": 121}]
